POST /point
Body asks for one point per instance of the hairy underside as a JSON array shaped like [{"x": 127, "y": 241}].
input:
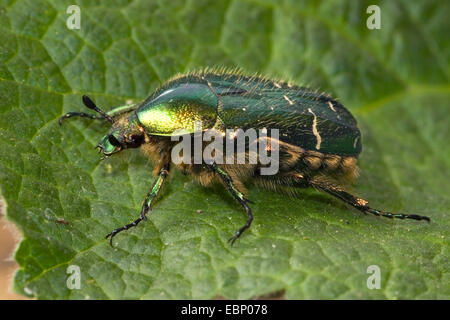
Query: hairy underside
[{"x": 298, "y": 168}]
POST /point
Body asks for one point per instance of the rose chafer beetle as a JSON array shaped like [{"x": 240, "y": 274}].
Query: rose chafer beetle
[{"x": 319, "y": 140}]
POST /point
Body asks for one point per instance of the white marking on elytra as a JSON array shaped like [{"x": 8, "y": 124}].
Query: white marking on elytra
[
  {"x": 314, "y": 130},
  {"x": 276, "y": 85},
  {"x": 166, "y": 92},
  {"x": 355, "y": 142},
  {"x": 331, "y": 106},
  {"x": 288, "y": 100}
]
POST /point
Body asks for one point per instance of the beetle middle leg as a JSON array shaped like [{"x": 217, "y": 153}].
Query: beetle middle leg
[
  {"x": 226, "y": 178},
  {"x": 147, "y": 205}
]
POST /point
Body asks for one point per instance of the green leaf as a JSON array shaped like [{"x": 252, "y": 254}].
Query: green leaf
[{"x": 395, "y": 80}]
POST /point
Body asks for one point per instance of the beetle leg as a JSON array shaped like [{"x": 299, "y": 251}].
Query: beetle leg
[
  {"x": 238, "y": 196},
  {"x": 147, "y": 204},
  {"x": 361, "y": 204}
]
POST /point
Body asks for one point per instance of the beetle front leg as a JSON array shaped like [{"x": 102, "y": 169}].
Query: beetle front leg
[
  {"x": 238, "y": 196},
  {"x": 147, "y": 204}
]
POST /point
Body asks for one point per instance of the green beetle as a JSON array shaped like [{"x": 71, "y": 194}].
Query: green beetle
[{"x": 318, "y": 145}]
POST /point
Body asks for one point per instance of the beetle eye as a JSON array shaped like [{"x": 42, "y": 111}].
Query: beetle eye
[
  {"x": 136, "y": 140},
  {"x": 113, "y": 140}
]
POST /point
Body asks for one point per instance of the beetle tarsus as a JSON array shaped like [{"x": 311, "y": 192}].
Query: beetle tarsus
[
  {"x": 367, "y": 209},
  {"x": 244, "y": 227},
  {"x": 125, "y": 227},
  {"x": 233, "y": 238}
]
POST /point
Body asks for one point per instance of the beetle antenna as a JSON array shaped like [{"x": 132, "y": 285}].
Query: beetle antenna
[{"x": 91, "y": 105}]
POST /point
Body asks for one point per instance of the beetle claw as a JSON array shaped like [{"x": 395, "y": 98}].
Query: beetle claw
[
  {"x": 233, "y": 239},
  {"x": 110, "y": 236}
]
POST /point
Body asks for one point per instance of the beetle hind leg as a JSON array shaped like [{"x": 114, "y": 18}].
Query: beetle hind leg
[
  {"x": 361, "y": 204},
  {"x": 298, "y": 180}
]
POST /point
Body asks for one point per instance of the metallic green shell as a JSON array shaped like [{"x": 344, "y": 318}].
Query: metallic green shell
[
  {"x": 303, "y": 117},
  {"x": 178, "y": 108}
]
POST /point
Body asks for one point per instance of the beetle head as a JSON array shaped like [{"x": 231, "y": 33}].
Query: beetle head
[{"x": 124, "y": 133}]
